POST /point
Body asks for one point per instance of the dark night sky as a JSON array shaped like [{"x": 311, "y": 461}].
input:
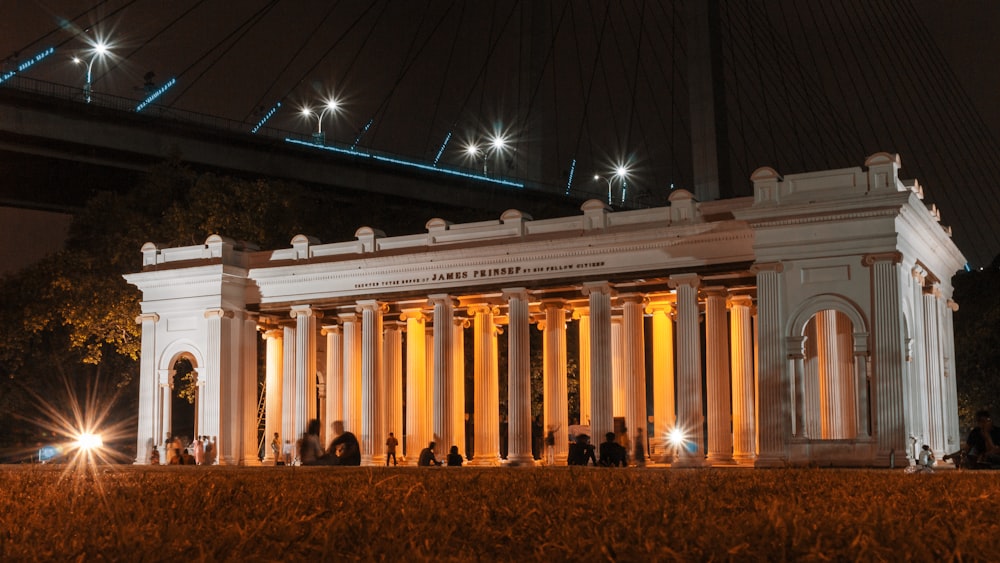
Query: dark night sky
[{"x": 810, "y": 84}]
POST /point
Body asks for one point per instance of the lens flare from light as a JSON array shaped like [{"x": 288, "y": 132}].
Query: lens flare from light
[
  {"x": 87, "y": 441},
  {"x": 676, "y": 437}
]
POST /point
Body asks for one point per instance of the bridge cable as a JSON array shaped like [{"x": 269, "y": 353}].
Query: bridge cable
[
  {"x": 64, "y": 23},
  {"x": 444, "y": 82}
]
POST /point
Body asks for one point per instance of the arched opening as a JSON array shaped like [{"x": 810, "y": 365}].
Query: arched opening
[
  {"x": 184, "y": 399},
  {"x": 830, "y": 380}
]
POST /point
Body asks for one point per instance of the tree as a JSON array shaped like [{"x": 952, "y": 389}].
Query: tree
[{"x": 977, "y": 343}]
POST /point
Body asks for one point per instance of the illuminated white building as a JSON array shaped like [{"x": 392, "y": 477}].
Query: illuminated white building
[{"x": 809, "y": 324}]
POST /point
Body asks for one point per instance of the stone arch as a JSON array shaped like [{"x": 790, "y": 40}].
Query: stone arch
[
  {"x": 178, "y": 349},
  {"x": 822, "y": 302}
]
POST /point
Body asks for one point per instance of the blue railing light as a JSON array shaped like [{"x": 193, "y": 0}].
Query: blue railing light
[
  {"x": 409, "y": 163},
  {"x": 441, "y": 150},
  {"x": 572, "y": 170},
  {"x": 26, "y": 64},
  {"x": 159, "y": 92},
  {"x": 267, "y": 116},
  {"x": 361, "y": 133}
]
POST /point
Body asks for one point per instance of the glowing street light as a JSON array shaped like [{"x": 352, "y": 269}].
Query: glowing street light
[
  {"x": 496, "y": 144},
  {"x": 99, "y": 50},
  {"x": 332, "y": 105},
  {"x": 620, "y": 173}
]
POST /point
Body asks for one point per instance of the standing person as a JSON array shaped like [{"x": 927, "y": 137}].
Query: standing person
[
  {"x": 199, "y": 451},
  {"x": 427, "y": 458},
  {"x": 640, "y": 449},
  {"x": 288, "y": 451},
  {"x": 550, "y": 445},
  {"x": 390, "y": 449},
  {"x": 310, "y": 452},
  {"x": 276, "y": 450},
  {"x": 454, "y": 458}
]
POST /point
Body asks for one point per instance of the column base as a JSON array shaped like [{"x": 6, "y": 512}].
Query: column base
[
  {"x": 485, "y": 461},
  {"x": 688, "y": 461},
  {"x": 523, "y": 460}
]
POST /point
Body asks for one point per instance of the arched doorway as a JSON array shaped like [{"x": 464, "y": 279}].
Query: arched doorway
[
  {"x": 830, "y": 380},
  {"x": 184, "y": 399}
]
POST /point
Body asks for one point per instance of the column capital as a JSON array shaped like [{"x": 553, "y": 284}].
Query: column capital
[
  {"x": 740, "y": 300},
  {"x": 274, "y": 333},
  {"x": 297, "y": 311},
  {"x": 932, "y": 290},
  {"x": 393, "y": 325},
  {"x": 483, "y": 309},
  {"x": 553, "y": 303},
  {"x": 869, "y": 260},
  {"x": 776, "y": 267},
  {"x": 692, "y": 280},
  {"x": 416, "y": 314},
  {"x": 951, "y": 304},
  {"x": 147, "y": 317},
  {"x": 580, "y": 312},
  {"x": 715, "y": 291},
  {"x": 461, "y": 321},
  {"x": 597, "y": 287},
  {"x": 330, "y": 329},
  {"x": 442, "y": 298},
  {"x": 372, "y": 305},
  {"x": 218, "y": 314},
  {"x": 796, "y": 347},
  {"x": 516, "y": 293},
  {"x": 632, "y": 298},
  {"x": 347, "y": 317}
]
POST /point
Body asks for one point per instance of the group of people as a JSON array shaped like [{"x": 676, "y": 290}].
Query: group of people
[
  {"x": 201, "y": 451},
  {"x": 428, "y": 459},
  {"x": 344, "y": 448},
  {"x": 612, "y": 453}
]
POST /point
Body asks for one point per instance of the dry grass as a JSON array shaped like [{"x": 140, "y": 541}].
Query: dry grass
[{"x": 559, "y": 514}]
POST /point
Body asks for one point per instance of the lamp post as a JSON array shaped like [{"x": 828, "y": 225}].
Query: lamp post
[
  {"x": 100, "y": 49},
  {"x": 332, "y": 105},
  {"x": 496, "y": 145},
  {"x": 620, "y": 172}
]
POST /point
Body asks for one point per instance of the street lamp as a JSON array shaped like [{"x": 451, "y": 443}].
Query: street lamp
[
  {"x": 100, "y": 49},
  {"x": 332, "y": 105},
  {"x": 496, "y": 144},
  {"x": 620, "y": 172}
]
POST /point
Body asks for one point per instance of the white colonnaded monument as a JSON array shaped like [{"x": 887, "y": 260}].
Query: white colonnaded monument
[{"x": 808, "y": 324}]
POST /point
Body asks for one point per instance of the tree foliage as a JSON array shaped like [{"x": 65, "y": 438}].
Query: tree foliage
[{"x": 977, "y": 343}]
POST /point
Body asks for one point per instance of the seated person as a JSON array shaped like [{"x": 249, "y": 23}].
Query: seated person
[
  {"x": 581, "y": 451},
  {"x": 612, "y": 453},
  {"x": 427, "y": 458},
  {"x": 982, "y": 447},
  {"x": 454, "y": 458},
  {"x": 345, "y": 450}
]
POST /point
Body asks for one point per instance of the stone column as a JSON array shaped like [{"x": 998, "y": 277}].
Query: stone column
[
  {"x": 582, "y": 315},
  {"x": 634, "y": 367},
  {"x": 718, "y": 385},
  {"x": 830, "y": 400},
  {"x": 555, "y": 397},
  {"x": 149, "y": 399},
  {"x": 219, "y": 409},
  {"x": 486, "y": 427},
  {"x": 690, "y": 415},
  {"x": 305, "y": 367},
  {"x": 890, "y": 397},
  {"x": 288, "y": 407},
  {"x": 617, "y": 368},
  {"x": 862, "y": 379},
  {"x": 393, "y": 367},
  {"x": 272, "y": 390},
  {"x": 917, "y": 366},
  {"x": 951, "y": 431},
  {"x": 741, "y": 360},
  {"x": 334, "y": 378},
  {"x": 352, "y": 372},
  {"x": 519, "y": 378},
  {"x": 372, "y": 384},
  {"x": 444, "y": 391},
  {"x": 796, "y": 358},
  {"x": 773, "y": 393},
  {"x": 247, "y": 450},
  {"x": 458, "y": 384},
  {"x": 935, "y": 368},
  {"x": 418, "y": 421},
  {"x": 601, "y": 402},
  {"x": 664, "y": 409}
]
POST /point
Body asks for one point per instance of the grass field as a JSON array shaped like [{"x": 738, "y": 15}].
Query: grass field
[{"x": 127, "y": 513}]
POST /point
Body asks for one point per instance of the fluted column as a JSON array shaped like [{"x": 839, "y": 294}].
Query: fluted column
[
  {"x": 891, "y": 402},
  {"x": 272, "y": 392},
  {"x": 458, "y": 383},
  {"x": 372, "y": 384},
  {"x": 919, "y": 370},
  {"x": 519, "y": 379},
  {"x": 951, "y": 431},
  {"x": 305, "y": 367},
  {"x": 601, "y": 394},
  {"x": 334, "y": 378},
  {"x": 796, "y": 346},
  {"x": 847, "y": 385},
  {"x": 582, "y": 315},
  {"x": 486, "y": 427},
  {"x": 690, "y": 414},
  {"x": 288, "y": 387},
  {"x": 718, "y": 385},
  {"x": 773, "y": 422},
  {"x": 634, "y": 367},
  {"x": 444, "y": 390},
  {"x": 935, "y": 367},
  {"x": 555, "y": 397},
  {"x": 741, "y": 362},
  {"x": 246, "y": 450},
  {"x": 830, "y": 400},
  {"x": 418, "y": 424},
  {"x": 218, "y": 380},
  {"x": 352, "y": 372},
  {"x": 664, "y": 409},
  {"x": 617, "y": 366},
  {"x": 149, "y": 399},
  {"x": 393, "y": 368}
]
